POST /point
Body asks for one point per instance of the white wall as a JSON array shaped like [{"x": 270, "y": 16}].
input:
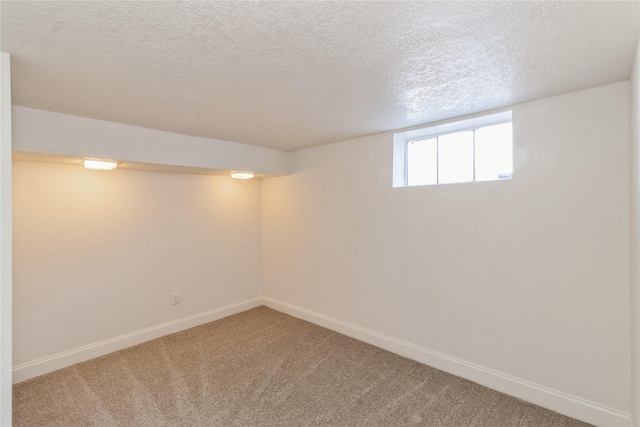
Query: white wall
[
  {"x": 635, "y": 240},
  {"x": 97, "y": 254},
  {"x": 5, "y": 240},
  {"x": 528, "y": 277}
]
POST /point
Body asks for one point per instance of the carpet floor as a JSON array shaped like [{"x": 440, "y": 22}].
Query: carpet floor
[{"x": 264, "y": 368}]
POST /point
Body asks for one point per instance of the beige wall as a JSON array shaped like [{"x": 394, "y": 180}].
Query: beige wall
[
  {"x": 99, "y": 253},
  {"x": 5, "y": 240},
  {"x": 635, "y": 240},
  {"x": 528, "y": 277}
]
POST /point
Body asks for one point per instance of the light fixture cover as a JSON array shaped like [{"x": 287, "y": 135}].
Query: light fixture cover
[
  {"x": 242, "y": 175},
  {"x": 100, "y": 164}
]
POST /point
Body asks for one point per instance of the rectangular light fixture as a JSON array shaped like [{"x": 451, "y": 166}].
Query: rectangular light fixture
[
  {"x": 242, "y": 175},
  {"x": 100, "y": 164}
]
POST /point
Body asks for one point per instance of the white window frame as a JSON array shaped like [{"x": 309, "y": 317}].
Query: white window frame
[{"x": 401, "y": 139}]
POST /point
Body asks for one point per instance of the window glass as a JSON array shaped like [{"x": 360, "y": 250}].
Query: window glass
[
  {"x": 422, "y": 159},
  {"x": 479, "y": 148},
  {"x": 494, "y": 152},
  {"x": 455, "y": 157}
]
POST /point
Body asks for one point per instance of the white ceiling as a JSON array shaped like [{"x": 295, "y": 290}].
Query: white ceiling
[{"x": 290, "y": 75}]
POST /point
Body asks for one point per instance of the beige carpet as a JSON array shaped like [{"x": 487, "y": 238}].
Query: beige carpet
[{"x": 264, "y": 368}]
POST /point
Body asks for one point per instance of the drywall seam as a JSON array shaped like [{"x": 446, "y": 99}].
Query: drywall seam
[
  {"x": 555, "y": 400},
  {"x": 45, "y": 365}
]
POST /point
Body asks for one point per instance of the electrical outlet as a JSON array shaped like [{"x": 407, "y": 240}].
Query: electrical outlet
[{"x": 175, "y": 298}]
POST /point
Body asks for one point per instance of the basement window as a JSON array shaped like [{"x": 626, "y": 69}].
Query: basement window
[{"x": 471, "y": 150}]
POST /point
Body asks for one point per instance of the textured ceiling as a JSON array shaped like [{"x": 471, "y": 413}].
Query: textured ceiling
[{"x": 289, "y": 75}]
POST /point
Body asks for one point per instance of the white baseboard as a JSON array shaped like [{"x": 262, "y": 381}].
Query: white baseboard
[
  {"x": 62, "y": 360},
  {"x": 558, "y": 401}
]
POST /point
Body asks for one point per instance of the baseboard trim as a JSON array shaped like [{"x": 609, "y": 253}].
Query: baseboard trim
[
  {"x": 558, "y": 401},
  {"x": 48, "y": 364}
]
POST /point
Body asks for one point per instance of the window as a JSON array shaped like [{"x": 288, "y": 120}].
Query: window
[{"x": 478, "y": 149}]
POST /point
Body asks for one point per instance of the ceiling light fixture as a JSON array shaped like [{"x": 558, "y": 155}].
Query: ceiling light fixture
[
  {"x": 243, "y": 175},
  {"x": 100, "y": 164}
]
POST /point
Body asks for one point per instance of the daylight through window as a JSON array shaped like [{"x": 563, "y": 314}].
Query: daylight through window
[{"x": 473, "y": 150}]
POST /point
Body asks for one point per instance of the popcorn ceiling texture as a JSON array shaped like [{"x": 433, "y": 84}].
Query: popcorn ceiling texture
[{"x": 289, "y": 75}]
